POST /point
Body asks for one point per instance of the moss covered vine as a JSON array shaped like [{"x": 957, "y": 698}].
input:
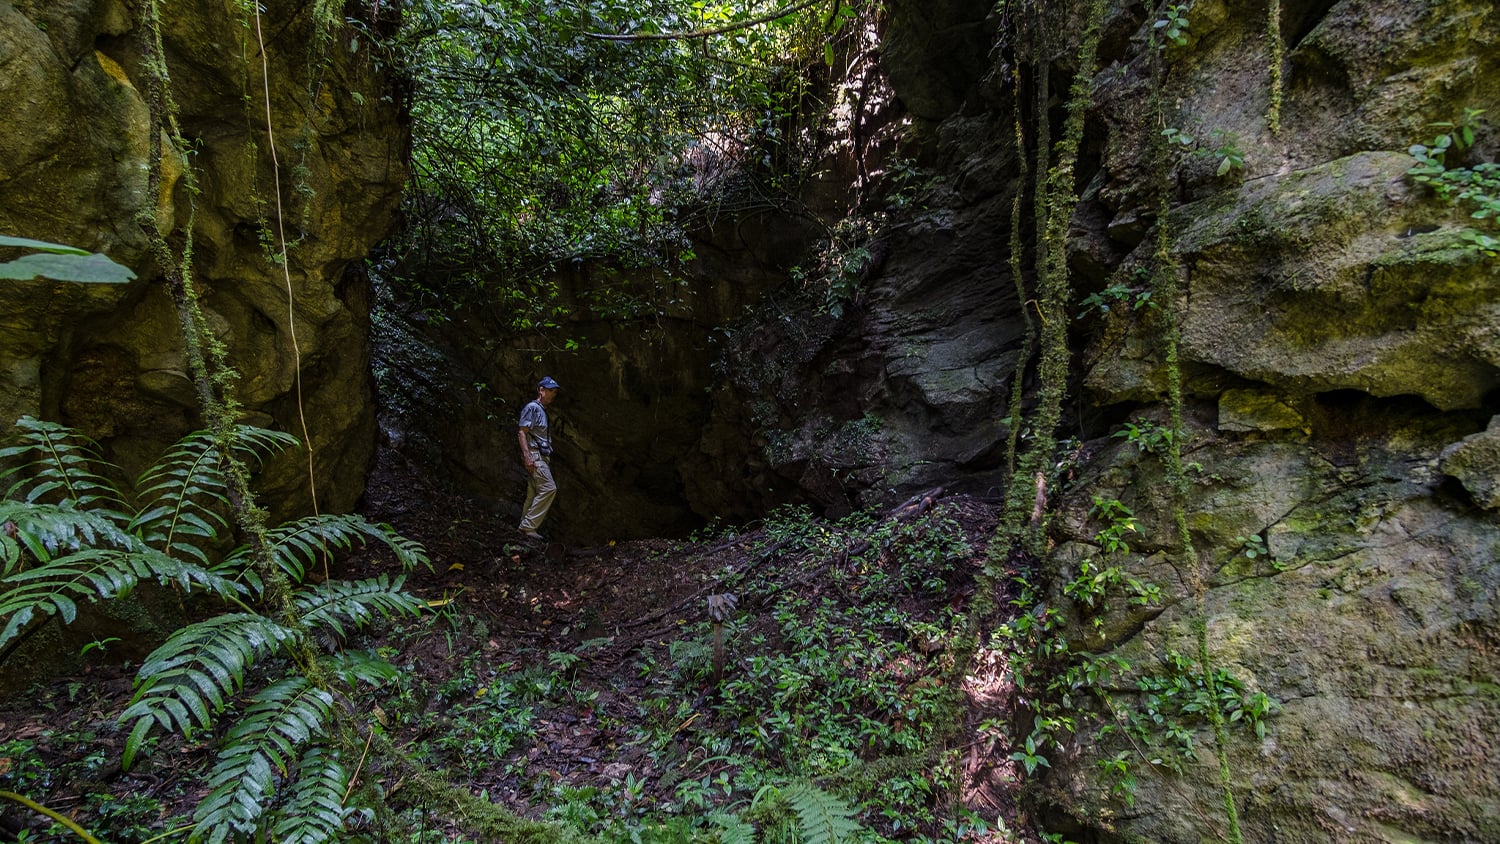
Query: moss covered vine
[
  {"x": 1274, "y": 43},
  {"x": 207, "y": 357},
  {"x": 1056, "y": 200},
  {"x": 1167, "y": 286}
]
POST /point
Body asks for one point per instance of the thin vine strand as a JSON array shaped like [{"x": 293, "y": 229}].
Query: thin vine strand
[{"x": 286, "y": 273}]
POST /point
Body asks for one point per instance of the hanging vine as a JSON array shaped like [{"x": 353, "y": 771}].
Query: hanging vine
[
  {"x": 1168, "y": 292},
  {"x": 207, "y": 357},
  {"x": 1274, "y": 43},
  {"x": 1056, "y": 200}
]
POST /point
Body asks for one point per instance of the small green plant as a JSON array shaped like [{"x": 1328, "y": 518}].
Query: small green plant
[
  {"x": 1476, "y": 187},
  {"x": 1226, "y": 152},
  {"x": 1173, "y": 25},
  {"x": 1456, "y": 136},
  {"x": 1253, "y": 546},
  {"x": 1119, "y": 294},
  {"x": 1029, "y": 757},
  {"x": 1178, "y": 138},
  {"x": 1147, "y": 436},
  {"x": 1118, "y": 771}
]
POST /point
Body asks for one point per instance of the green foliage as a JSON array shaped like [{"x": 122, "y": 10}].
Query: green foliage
[
  {"x": 1094, "y": 580},
  {"x": 840, "y": 263},
  {"x": 822, "y": 818},
  {"x": 49, "y": 462},
  {"x": 842, "y": 689},
  {"x": 1115, "y": 295},
  {"x": 1226, "y": 152},
  {"x": 541, "y": 138},
  {"x": 60, "y": 263},
  {"x": 1252, "y": 546},
  {"x": 1475, "y": 188},
  {"x": 183, "y": 496},
  {"x": 262, "y": 745},
  {"x": 297, "y": 546},
  {"x": 1180, "y": 699},
  {"x": 1173, "y": 24},
  {"x": 1148, "y": 436},
  {"x": 1028, "y": 755},
  {"x": 316, "y": 811},
  {"x": 70, "y": 533}
]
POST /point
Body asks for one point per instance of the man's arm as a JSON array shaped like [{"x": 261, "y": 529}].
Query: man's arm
[{"x": 526, "y": 451}]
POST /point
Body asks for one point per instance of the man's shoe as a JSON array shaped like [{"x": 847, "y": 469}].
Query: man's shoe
[{"x": 531, "y": 534}]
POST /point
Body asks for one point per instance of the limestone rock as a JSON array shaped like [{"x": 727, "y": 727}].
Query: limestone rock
[
  {"x": 73, "y": 164},
  {"x": 1252, "y": 410},
  {"x": 1475, "y": 462}
]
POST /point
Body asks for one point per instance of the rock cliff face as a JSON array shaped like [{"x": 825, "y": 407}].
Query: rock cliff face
[
  {"x": 1341, "y": 362},
  {"x": 1341, "y": 358},
  {"x": 73, "y": 163}
]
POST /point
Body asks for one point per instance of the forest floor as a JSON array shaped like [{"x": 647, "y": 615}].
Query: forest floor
[{"x": 577, "y": 686}]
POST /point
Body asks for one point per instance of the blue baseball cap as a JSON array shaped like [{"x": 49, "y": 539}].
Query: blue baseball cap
[{"x": 548, "y": 383}]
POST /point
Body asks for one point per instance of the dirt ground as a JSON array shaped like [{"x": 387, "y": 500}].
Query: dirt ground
[{"x": 506, "y": 604}]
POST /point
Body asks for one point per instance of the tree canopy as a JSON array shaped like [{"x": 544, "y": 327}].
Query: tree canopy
[{"x": 548, "y": 132}]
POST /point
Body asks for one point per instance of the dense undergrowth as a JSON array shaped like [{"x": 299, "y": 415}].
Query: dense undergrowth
[{"x": 584, "y": 697}]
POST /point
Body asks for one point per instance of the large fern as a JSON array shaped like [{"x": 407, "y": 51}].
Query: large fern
[
  {"x": 52, "y": 463},
  {"x": 296, "y": 546},
  {"x": 52, "y": 556},
  {"x": 182, "y": 495},
  {"x": 184, "y": 684},
  {"x": 822, "y": 817},
  {"x": 68, "y": 534},
  {"x": 333, "y": 604},
  {"x": 56, "y": 586},
  {"x": 260, "y": 749},
  {"x": 732, "y": 829},
  {"x": 34, "y": 533},
  {"x": 316, "y": 813}
]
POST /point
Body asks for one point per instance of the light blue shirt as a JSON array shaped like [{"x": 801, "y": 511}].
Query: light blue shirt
[{"x": 534, "y": 423}]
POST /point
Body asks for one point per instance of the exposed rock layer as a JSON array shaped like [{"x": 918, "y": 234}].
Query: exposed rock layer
[{"x": 73, "y": 164}]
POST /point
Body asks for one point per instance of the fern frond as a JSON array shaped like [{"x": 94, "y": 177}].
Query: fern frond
[
  {"x": 44, "y": 530},
  {"x": 361, "y": 668},
  {"x": 184, "y": 683},
  {"x": 285, "y": 716},
  {"x": 297, "y": 545},
  {"x": 90, "y": 574},
  {"x": 316, "y": 812},
  {"x": 183, "y": 493},
  {"x": 58, "y": 586},
  {"x": 52, "y": 463},
  {"x": 822, "y": 817},
  {"x": 333, "y": 604},
  {"x": 732, "y": 830}
]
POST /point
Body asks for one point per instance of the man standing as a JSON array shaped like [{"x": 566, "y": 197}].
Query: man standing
[{"x": 536, "y": 455}]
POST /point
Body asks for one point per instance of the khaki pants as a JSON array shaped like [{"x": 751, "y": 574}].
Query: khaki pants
[{"x": 540, "y": 490}]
